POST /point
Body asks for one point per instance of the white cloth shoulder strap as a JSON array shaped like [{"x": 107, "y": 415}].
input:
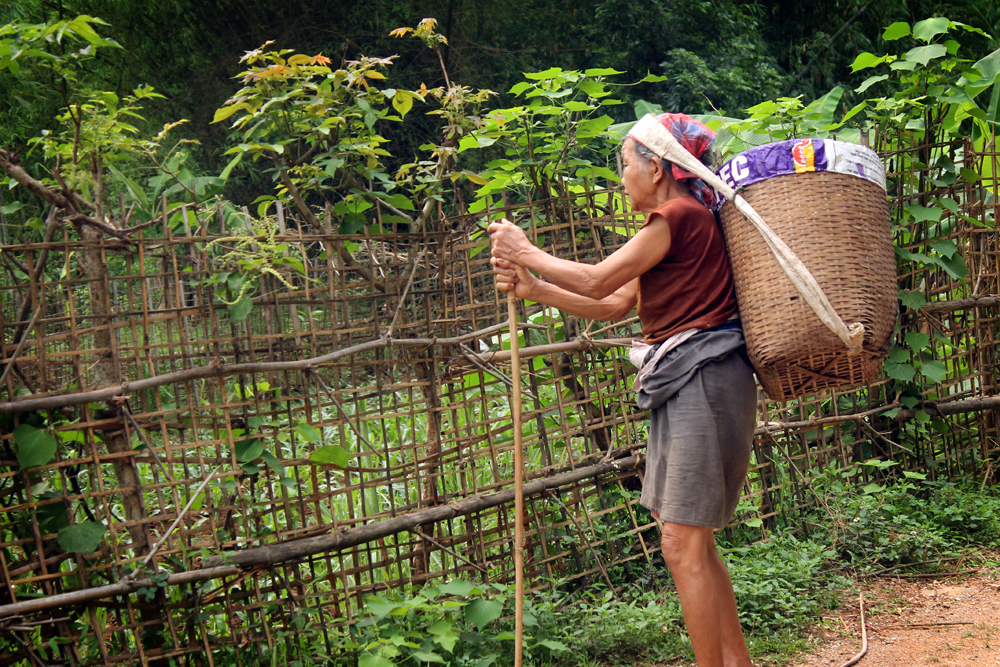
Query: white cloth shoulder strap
[{"x": 654, "y": 136}]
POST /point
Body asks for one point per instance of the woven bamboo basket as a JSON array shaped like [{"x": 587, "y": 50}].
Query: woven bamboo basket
[{"x": 838, "y": 225}]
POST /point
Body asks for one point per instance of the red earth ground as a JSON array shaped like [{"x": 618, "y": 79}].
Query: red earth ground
[
  {"x": 943, "y": 621},
  {"x": 949, "y": 621}
]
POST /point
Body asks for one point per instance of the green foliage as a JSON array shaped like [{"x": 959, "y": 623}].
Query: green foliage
[
  {"x": 900, "y": 517},
  {"x": 450, "y": 624},
  {"x": 251, "y": 257},
  {"x": 936, "y": 86},
  {"x": 82, "y": 538},
  {"x": 35, "y": 446},
  {"x": 781, "y": 584},
  {"x": 293, "y": 105},
  {"x": 638, "y": 625},
  {"x": 54, "y": 48}
]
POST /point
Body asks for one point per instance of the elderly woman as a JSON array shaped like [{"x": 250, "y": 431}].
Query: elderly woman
[{"x": 694, "y": 376}]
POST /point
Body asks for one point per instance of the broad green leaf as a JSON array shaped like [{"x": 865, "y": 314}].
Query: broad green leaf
[
  {"x": 913, "y": 300},
  {"x": 553, "y": 645},
  {"x": 925, "y": 54},
  {"x": 402, "y": 102},
  {"x": 601, "y": 71},
  {"x": 232, "y": 165},
  {"x": 467, "y": 142},
  {"x": 989, "y": 66},
  {"x": 459, "y": 587},
  {"x": 869, "y": 489},
  {"x": 821, "y": 110},
  {"x": 593, "y": 88},
  {"x": 380, "y": 608},
  {"x": 899, "y": 355},
  {"x": 441, "y": 627},
  {"x": 12, "y": 207},
  {"x": 993, "y": 111},
  {"x": 909, "y": 401},
  {"x": 35, "y": 446},
  {"x": 482, "y": 612},
  {"x": 447, "y": 639},
  {"x": 914, "y": 475},
  {"x": 369, "y": 660},
  {"x": 545, "y": 74},
  {"x": 955, "y": 266},
  {"x": 652, "y": 78},
  {"x": 945, "y": 247},
  {"x": 896, "y": 31},
  {"x": 309, "y": 433},
  {"x": 949, "y": 203},
  {"x": 249, "y": 449},
  {"x": 642, "y": 107},
  {"x": 935, "y": 371},
  {"x": 901, "y": 372},
  {"x": 519, "y": 88},
  {"x": 917, "y": 341},
  {"x": 225, "y": 112},
  {"x": 239, "y": 310},
  {"x": 928, "y": 29},
  {"x": 573, "y": 105},
  {"x": 83, "y": 538},
  {"x": 866, "y": 60},
  {"x": 427, "y": 656},
  {"x": 273, "y": 463},
  {"x": 331, "y": 454},
  {"x": 924, "y": 213},
  {"x": 870, "y": 81},
  {"x": 474, "y": 177}
]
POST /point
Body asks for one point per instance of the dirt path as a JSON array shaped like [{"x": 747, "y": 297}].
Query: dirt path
[{"x": 949, "y": 622}]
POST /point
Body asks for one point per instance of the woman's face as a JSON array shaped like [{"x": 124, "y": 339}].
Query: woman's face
[{"x": 638, "y": 179}]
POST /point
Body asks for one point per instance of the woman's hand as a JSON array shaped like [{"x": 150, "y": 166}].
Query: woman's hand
[
  {"x": 514, "y": 277},
  {"x": 509, "y": 241}
]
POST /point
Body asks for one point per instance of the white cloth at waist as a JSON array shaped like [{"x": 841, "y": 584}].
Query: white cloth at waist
[{"x": 641, "y": 348}]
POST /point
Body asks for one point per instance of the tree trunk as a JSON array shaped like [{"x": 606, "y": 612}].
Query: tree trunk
[{"x": 107, "y": 373}]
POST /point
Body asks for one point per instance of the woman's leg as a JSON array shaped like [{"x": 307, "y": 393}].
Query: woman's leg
[{"x": 706, "y": 594}]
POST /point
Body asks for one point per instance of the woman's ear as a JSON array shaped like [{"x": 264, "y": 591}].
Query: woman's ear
[{"x": 658, "y": 172}]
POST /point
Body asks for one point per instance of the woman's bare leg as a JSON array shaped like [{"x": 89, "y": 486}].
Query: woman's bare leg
[{"x": 706, "y": 595}]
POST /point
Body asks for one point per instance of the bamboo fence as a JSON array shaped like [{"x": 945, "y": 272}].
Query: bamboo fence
[{"x": 393, "y": 347}]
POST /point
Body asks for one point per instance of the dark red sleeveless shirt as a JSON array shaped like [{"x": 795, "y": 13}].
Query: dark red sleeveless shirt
[{"x": 692, "y": 285}]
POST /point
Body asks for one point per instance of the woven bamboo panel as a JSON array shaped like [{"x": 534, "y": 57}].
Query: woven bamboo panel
[{"x": 838, "y": 225}]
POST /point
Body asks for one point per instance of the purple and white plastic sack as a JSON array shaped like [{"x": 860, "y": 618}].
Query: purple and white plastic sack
[{"x": 798, "y": 156}]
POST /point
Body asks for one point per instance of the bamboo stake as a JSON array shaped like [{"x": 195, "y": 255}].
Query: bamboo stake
[{"x": 515, "y": 412}]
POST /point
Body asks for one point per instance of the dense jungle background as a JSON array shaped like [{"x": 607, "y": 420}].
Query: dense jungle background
[{"x": 724, "y": 55}]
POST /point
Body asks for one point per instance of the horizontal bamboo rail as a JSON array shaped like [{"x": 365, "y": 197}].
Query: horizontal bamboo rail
[
  {"x": 218, "y": 369},
  {"x": 280, "y": 553},
  {"x": 235, "y": 562}
]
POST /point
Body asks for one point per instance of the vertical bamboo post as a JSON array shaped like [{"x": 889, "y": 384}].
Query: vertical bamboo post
[{"x": 515, "y": 413}]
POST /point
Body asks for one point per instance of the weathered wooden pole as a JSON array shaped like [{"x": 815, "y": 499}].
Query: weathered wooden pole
[{"x": 515, "y": 412}]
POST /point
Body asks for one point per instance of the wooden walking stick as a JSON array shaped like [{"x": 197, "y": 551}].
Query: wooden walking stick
[{"x": 515, "y": 411}]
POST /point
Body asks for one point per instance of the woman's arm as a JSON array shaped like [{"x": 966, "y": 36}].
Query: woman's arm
[
  {"x": 613, "y": 307},
  {"x": 595, "y": 281}
]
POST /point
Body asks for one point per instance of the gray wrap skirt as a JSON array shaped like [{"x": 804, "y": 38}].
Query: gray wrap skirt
[{"x": 703, "y": 398}]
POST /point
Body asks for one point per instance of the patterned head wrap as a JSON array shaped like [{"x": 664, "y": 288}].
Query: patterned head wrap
[{"x": 697, "y": 140}]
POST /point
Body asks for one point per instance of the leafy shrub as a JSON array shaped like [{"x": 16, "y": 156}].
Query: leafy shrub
[
  {"x": 640, "y": 625},
  {"x": 781, "y": 584}
]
